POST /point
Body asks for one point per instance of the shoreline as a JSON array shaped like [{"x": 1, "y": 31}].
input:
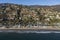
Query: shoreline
[{"x": 29, "y": 31}]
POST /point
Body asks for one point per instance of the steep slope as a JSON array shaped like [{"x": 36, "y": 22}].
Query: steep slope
[{"x": 14, "y": 14}]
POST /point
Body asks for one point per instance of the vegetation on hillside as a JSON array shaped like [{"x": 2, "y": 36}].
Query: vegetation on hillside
[{"x": 13, "y": 14}]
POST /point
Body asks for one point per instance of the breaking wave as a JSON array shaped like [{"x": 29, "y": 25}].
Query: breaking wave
[
  {"x": 31, "y": 31},
  {"x": 38, "y": 32}
]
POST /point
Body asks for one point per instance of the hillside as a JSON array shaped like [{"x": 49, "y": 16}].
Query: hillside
[{"x": 23, "y": 15}]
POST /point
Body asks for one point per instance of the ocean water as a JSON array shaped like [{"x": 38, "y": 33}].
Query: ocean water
[{"x": 29, "y": 36}]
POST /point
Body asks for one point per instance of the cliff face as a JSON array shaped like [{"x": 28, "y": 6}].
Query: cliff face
[{"x": 13, "y": 14}]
